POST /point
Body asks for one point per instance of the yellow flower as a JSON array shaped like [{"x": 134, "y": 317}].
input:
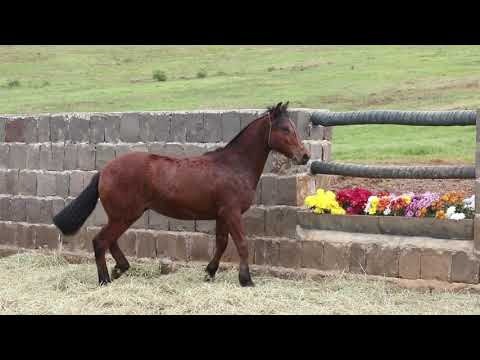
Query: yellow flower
[
  {"x": 324, "y": 201},
  {"x": 407, "y": 198},
  {"x": 373, "y": 205}
]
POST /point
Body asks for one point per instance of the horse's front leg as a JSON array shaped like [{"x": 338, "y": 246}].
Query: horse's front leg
[
  {"x": 233, "y": 219},
  {"x": 221, "y": 239}
]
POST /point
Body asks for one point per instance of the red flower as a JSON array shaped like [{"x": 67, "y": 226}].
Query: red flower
[{"x": 353, "y": 200}]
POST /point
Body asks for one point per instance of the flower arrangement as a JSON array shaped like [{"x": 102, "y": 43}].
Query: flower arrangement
[{"x": 358, "y": 201}]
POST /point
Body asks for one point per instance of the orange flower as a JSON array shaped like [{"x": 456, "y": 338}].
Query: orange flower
[
  {"x": 440, "y": 214},
  {"x": 423, "y": 212}
]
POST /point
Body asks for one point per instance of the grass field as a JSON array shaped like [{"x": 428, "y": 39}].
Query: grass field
[
  {"x": 40, "y": 284},
  {"x": 119, "y": 78}
]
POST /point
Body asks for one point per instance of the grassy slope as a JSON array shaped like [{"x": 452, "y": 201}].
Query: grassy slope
[
  {"x": 119, "y": 78},
  {"x": 48, "y": 285}
]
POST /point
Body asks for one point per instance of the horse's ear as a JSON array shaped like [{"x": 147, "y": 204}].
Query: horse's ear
[
  {"x": 277, "y": 109},
  {"x": 285, "y": 106}
]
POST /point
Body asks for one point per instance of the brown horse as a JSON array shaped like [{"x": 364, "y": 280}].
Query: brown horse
[{"x": 218, "y": 185}]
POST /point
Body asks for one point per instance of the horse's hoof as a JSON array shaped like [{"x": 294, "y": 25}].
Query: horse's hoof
[
  {"x": 116, "y": 273},
  {"x": 209, "y": 278},
  {"x": 104, "y": 282},
  {"x": 248, "y": 283}
]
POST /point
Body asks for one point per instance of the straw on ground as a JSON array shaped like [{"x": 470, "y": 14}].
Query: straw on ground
[{"x": 45, "y": 284}]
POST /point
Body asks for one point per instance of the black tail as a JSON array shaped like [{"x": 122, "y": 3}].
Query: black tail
[{"x": 72, "y": 217}]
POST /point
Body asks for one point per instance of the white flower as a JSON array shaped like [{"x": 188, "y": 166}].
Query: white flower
[
  {"x": 458, "y": 216},
  {"x": 450, "y": 212},
  {"x": 470, "y": 202},
  {"x": 387, "y": 211}
]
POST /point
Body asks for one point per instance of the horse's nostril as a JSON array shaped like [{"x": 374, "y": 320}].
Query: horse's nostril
[{"x": 305, "y": 158}]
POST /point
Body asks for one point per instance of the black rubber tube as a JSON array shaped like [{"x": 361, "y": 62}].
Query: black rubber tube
[
  {"x": 393, "y": 172},
  {"x": 393, "y": 117}
]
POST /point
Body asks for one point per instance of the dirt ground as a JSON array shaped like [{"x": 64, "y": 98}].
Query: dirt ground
[{"x": 404, "y": 185}]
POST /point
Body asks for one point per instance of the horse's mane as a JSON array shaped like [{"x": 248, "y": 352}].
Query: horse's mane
[{"x": 277, "y": 110}]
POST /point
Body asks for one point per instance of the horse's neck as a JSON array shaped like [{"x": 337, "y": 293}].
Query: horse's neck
[{"x": 251, "y": 151}]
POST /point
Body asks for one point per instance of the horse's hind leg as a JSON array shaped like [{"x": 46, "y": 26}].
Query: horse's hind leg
[
  {"x": 221, "y": 239},
  {"x": 103, "y": 241},
  {"x": 122, "y": 264}
]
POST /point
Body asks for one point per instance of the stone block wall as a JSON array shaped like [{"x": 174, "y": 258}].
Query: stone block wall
[{"x": 47, "y": 160}]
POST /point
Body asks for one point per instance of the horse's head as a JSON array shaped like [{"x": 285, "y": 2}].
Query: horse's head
[{"x": 283, "y": 135}]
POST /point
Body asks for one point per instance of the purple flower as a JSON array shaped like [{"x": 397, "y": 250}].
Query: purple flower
[{"x": 419, "y": 202}]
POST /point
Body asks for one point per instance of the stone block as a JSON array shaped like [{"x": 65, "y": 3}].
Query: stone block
[
  {"x": 79, "y": 130},
  {"x": 292, "y": 190},
  {"x": 205, "y": 226},
  {"x": 272, "y": 252},
  {"x": 5, "y": 208},
  {"x": 476, "y": 228},
  {"x": 127, "y": 242},
  {"x": 247, "y": 117},
  {"x": 130, "y": 127},
  {"x": 409, "y": 263},
  {"x": 435, "y": 265},
  {"x": 156, "y": 148},
  {"x": 2, "y": 129},
  {"x": 33, "y": 156},
  {"x": 104, "y": 154},
  {"x": 145, "y": 123},
  {"x": 97, "y": 125},
  {"x": 316, "y": 149},
  {"x": 336, "y": 256},
  {"x": 142, "y": 222},
  {"x": 45, "y": 155},
  {"x": 357, "y": 259},
  {"x": 62, "y": 184},
  {"x": 4, "y": 156},
  {"x": 71, "y": 157},
  {"x": 58, "y": 157},
  {"x": 121, "y": 150},
  {"x": 281, "y": 221},
  {"x": 100, "y": 217},
  {"x": 160, "y": 126},
  {"x": 465, "y": 268},
  {"x": 178, "y": 128},
  {"x": 27, "y": 183},
  {"x": 21, "y": 129},
  {"x": 76, "y": 183},
  {"x": 11, "y": 182},
  {"x": 18, "y": 156},
  {"x": 191, "y": 150},
  {"x": 157, "y": 221},
  {"x": 146, "y": 245},
  {"x": 181, "y": 225},
  {"x": 86, "y": 157},
  {"x": 25, "y": 237},
  {"x": 112, "y": 128},
  {"x": 326, "y": 151},
  {"x": 195, "y": 128},
  {"x": 384, "y": 261},
  {"x": 43, "y": 124},
  {"x": 57, "y": 206},
  {"x": 201, "y": 247},
  {"x": 290, "y": 254},
  {"x": 47, "y": 237},
  {"x": 9, "y": 233},
  {"x": 46, "y": 184},
  {"x": 269, "y": 189},
  {"x": 301, "y": 118},
  {"x": 254, "y": 221},
  {"x": 212, "y": 127},
  {"x": 312, "y": 254},
  {"x": 59, "y": 129},
  {"x": 18, "y": 209},
  {"x": 230, "y": 125},
  {"x": 259, "y": 248},
  {"x": 172, "y": 245}
]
